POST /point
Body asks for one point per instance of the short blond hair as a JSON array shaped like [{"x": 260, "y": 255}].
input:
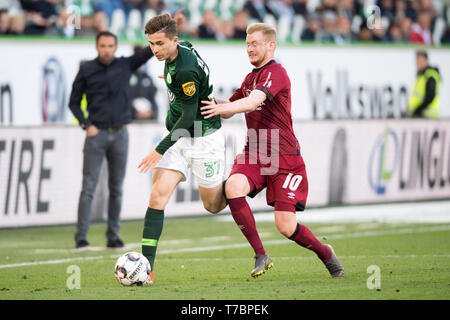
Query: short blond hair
[{"x": 270, "y": 33}]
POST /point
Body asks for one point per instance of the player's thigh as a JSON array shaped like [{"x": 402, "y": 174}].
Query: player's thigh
[
  {"x": 209, "y": 177},
  {"x": 174, "y": 159},
  {"x": 207, "y": 162},
  {"x": 164, "y": 182},
  {"x": 208, "y": 172},
  {"x": 289, "y": 186},
  {"x": 245, "y": 178}
]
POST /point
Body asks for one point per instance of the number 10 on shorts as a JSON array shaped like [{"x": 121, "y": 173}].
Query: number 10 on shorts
[{"x": 292, "y": 182}]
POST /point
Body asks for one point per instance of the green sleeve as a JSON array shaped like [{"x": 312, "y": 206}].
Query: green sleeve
[{"x": 189, "y": 86}]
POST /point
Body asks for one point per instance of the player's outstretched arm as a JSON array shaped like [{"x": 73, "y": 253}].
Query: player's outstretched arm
[
  {"x": 227, "y": 110},
  {"x": 217, "y": 101},
  {"x": 223, "y": 114}
]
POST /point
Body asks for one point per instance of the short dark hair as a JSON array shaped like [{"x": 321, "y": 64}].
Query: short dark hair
[
  {"x": 105, "y": 34},
  {"x": 422, "y": 53},
  {"x": 162, "y": 23}
]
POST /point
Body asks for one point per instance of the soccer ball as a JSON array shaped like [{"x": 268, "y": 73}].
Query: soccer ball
[{"x": 132, "y": 269}]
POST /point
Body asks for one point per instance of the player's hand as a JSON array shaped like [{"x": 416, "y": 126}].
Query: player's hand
[
  {"x": 210, "y": 109},
  {"x": 149, "y": 161}
]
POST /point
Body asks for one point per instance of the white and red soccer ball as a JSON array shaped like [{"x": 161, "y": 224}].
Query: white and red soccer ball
[{"x": 132, "y": 269}]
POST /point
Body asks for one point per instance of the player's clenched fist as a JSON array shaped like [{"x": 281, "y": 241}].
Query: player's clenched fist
[{"x": 149, "y": 161}]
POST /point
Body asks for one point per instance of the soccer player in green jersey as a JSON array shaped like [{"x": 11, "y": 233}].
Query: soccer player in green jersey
[{"x": 192, "y": 142}]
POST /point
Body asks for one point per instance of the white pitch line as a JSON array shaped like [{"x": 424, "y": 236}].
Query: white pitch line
[
  {"x": 331, "y": 237},
  {"x": 35, "y": 263},
  {"x": 391, "y": 232},
  {"x": 409, "y": 212},
  {"x": 312, "y": 257},
  {"x": 242, "y": 245}
]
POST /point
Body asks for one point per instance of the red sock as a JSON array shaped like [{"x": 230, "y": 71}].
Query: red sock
[
  {"x": 243, "y": 216},
  {"x": 304, "y": 237}
]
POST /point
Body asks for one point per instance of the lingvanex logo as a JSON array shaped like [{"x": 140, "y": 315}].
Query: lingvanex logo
[
  {"x": 383, "y": 161},
  {"x": 406, "y": 160}
]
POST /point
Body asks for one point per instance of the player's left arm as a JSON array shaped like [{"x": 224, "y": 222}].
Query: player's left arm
[
  {"x": 227, "y": 110},
  {"x": 189, "y": 103},
  {"x": 184, "y": 123}
]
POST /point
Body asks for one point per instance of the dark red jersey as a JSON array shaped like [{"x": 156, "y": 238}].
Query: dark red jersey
[{"x": 271, "y": 123}]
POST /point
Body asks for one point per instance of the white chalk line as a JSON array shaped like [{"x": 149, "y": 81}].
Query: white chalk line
[{"x": 243, "y": 245}]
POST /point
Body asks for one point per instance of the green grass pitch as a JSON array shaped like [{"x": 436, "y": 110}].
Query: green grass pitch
[{"x": 204, "y": 258}]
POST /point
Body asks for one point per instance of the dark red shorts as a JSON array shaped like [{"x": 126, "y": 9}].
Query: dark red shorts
[{"x": 286, "y": 182}]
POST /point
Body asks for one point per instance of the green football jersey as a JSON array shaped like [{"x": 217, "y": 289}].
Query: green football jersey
[{"x": 187, "y": 80}]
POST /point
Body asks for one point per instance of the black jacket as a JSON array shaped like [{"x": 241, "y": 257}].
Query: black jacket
[
  {"x": 430, "y": 93},
  {"x": 107, "y": 90}
]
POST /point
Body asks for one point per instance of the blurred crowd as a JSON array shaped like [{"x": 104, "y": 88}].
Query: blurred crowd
[{"x": 324, "y": 21}]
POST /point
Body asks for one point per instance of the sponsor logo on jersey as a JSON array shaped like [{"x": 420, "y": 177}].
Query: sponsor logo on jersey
[
  {"x": 189, "y": 88},
  {"x": 171, "y": 96}
]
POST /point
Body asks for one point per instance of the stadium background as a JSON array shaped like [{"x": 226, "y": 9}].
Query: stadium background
[{"x": 351, "y": 64}]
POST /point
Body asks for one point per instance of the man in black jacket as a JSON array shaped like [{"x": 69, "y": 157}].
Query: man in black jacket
[{"x": 105, "y": 81}]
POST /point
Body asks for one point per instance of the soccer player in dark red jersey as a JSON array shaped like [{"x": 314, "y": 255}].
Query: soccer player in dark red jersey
[{"x": 271, "y": 157}]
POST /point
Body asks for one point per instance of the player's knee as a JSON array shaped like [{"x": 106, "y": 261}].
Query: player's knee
[
  {"x": 228, "y": 190},
  {"x": 157, "y": 199},
  {"x": 215, "y": 205},
  {"x": 235, "y": 187},
  {"x": 286, "y": 229},
  {"x": 211, "y": 208}
]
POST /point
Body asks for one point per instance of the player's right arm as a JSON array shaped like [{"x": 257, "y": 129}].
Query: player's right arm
[
  {"x": 227, "y": 110},
  {"x": 270, "y": 82},
  {"x": 216, "y": 101}
]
